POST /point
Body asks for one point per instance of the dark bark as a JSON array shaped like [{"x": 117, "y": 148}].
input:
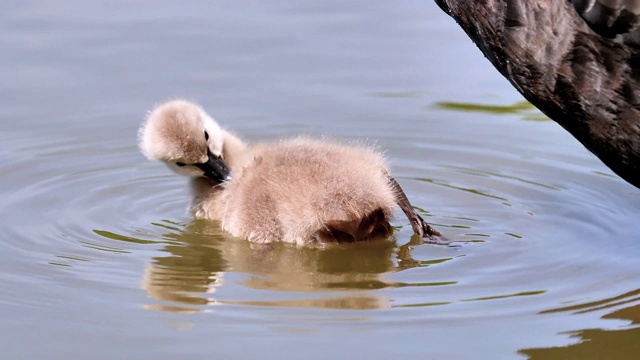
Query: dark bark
[{"x": 585, "y": 81}]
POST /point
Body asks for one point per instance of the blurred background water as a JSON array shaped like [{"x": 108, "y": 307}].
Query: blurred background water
[{"x": 102, "y": 260}]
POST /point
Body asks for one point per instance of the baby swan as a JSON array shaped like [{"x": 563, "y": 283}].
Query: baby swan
[{"x": 298, "y": 191}]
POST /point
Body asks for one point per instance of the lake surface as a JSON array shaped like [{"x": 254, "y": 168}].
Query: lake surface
[{"x": 101, "y": 259}]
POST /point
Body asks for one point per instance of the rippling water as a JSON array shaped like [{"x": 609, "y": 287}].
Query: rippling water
[{"x": 101, "y": 258}]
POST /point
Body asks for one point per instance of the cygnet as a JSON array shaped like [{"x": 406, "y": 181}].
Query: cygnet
[{"x": 300, "y": 191}]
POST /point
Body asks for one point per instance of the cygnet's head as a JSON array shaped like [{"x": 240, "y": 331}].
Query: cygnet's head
[{"x": 180, "y": 134}]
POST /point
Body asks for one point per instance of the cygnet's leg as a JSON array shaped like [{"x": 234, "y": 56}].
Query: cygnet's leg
[{"x": 418, "y": 224}]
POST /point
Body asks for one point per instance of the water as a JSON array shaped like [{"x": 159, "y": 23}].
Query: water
[{"x": 101, "y": 259}]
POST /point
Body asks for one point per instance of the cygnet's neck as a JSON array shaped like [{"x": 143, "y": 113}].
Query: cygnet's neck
[
  {"x": 206, "y": 192},
  {"x": 235, "y": 153}
]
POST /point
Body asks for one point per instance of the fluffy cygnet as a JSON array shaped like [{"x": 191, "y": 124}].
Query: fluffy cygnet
[{"x": 298, "y": 191}]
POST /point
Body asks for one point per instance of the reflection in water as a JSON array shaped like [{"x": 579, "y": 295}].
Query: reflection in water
[
  {"x": 193, "y": 269},
  {"x": 398, "y": 94},
  {"x": 198, "y": 258},
  {"x": 469, "y": 190},
  {"x": 492, "y": 174},
  {"x": 518, "y": 294},
  {"x": 600, "y": 343},
  {"x": 339, "y": 276}
]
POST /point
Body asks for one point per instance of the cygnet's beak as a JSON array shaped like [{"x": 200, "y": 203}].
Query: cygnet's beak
[{"x": 215, "y": 168}]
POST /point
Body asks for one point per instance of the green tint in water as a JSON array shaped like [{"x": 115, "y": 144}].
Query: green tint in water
[{"x": 522, "y": 108}]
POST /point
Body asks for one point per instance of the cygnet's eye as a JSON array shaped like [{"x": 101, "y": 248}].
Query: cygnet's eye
[
  {"x": 206, "y": 135},
  {"x": 181, "y": 164}
]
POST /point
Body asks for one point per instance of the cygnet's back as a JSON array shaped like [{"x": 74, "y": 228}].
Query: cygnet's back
[{"x": 303, "y": 190}]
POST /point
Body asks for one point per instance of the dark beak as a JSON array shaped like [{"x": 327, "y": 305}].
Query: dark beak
[{"x": 215, "y": 168}]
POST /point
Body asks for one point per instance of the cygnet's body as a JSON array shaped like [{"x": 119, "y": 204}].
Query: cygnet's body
[{"x": 298, "y": 191}]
